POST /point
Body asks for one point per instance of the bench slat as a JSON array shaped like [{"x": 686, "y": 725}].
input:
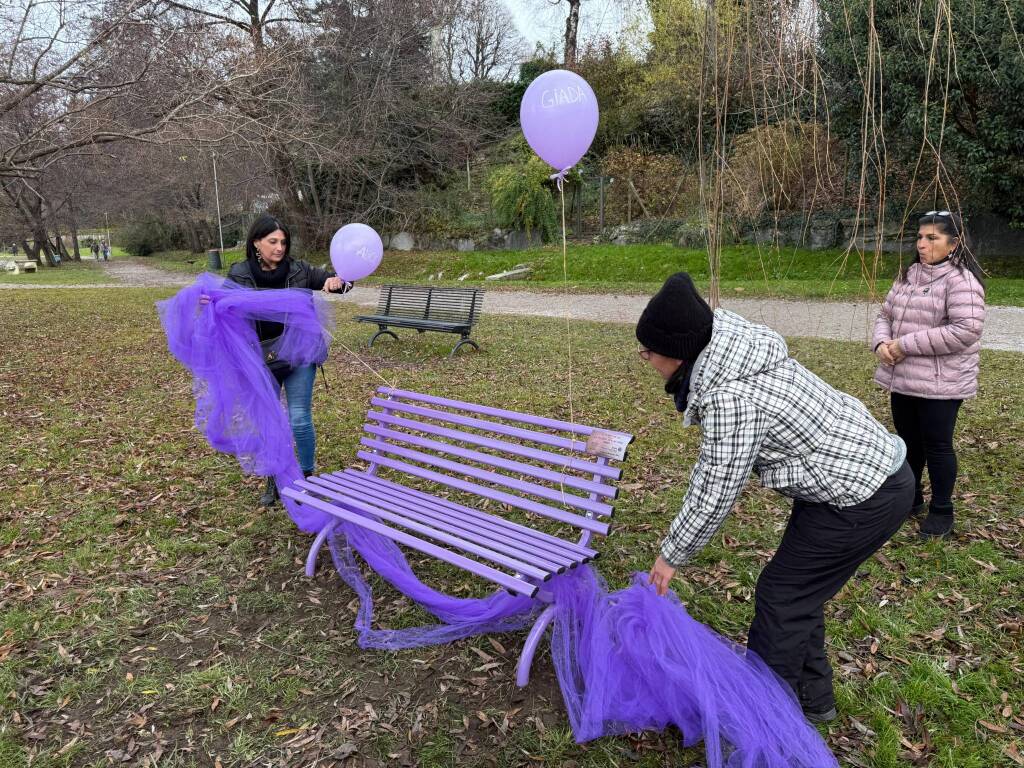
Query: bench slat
[
  {"x": 551, "y": 494},
  {"x": 400, "y": 321},
  {"x": 507, "y": 527},
  {"x": 490, "y": 426},
  {"x": 501, "y": 413},
  {"x": 589, "y": 486},
  {"x": 462, "y": 528},
  {"x": 560, "y": 461},
  {"x": 446, "y": 555},
  {"x": 544, "y": 510},
  {"x": 371, "y": 506}
]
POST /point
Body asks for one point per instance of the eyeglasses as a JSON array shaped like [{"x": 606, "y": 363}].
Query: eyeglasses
[
  {"x": 938, "y": 213},
  {"x": 645, "y": 354}
]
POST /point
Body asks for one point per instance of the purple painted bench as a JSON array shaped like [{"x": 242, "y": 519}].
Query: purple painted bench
[{"x": 495, "y": 459}]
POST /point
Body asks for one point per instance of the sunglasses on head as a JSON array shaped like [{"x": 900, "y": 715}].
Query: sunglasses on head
[{"x": 939, "y": 213}]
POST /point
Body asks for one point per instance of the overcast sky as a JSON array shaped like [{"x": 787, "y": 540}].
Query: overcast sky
[{"x": 541, "y": 21}]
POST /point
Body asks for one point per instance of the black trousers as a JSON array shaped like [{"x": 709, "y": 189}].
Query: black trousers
[
  {"x": 926, "y": 426},
  {"x": 821, "y": 549}
]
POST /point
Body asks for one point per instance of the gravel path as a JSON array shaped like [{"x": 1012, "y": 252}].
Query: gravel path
[{"x": 845, "y": 320}]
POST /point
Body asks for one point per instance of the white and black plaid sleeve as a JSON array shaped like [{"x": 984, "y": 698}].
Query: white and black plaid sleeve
[{"x": 733, "y": 431}]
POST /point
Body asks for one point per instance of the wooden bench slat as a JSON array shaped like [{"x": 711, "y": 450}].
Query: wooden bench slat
[
  {"x": 534, "y": 489},
  {"x": 560, "y": 478},
  {"x": 483, "y": 424},
  {"x": 401, "y": 322},
  {"x": 559, "y": 461},
  {"x": 552, "y": 543},
  {"x": 586, "y": 523},
  {"x": 462, "y": 528},
  {"x": 446, "y": 555}
]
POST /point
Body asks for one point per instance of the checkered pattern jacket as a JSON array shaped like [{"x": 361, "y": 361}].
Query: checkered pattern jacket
[{"x": 761, "y": 410}]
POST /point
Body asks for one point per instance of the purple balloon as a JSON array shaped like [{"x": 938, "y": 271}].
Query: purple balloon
[
  {"x": 559, "y": 117},
  {"x": 356, "y": 251}
]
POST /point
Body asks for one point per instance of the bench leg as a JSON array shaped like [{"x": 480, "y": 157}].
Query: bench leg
[
  {"x": 380, "y": 333},
  {"x": 530, "y": 647},
  {"x": 464, "y": 340},
  {"x": 318, "y": 542}
]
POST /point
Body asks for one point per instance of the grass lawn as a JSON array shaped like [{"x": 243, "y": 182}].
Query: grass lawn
[
  {"x": 68, "y": 273},
  {"x": 151, "y": 611},
  {"x": 191, "y": 263},
  {"x": 746, "y": 270}
]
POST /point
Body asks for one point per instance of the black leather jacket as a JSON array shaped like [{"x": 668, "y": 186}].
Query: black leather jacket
[{"x": 302, "y": 274}]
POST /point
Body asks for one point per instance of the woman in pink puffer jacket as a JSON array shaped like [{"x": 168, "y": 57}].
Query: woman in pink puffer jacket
[{"x": 928, "y": 339}]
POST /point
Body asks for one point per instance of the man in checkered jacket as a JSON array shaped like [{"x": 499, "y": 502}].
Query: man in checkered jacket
[{"x": 761, "y": 410}]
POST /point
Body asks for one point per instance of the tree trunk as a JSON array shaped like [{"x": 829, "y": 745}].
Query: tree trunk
[
  {"x": 73, "y": 225},
  {"x": 59, "y": 247},
  {"x": 76, "y": 254},
  {"x": 572, "y": 24}
]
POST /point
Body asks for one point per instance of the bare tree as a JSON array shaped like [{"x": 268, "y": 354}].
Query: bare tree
[
  {"x": 78, "y": 76},
  {"x": 479, "y": 41}
]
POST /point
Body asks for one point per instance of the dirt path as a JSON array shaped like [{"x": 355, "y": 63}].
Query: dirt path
[{"x": 844, "y": 320}]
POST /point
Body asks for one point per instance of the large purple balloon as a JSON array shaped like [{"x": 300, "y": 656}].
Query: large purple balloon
[
  {"x": 559, "y": 117},
  {"x": 356, "y": 250}
]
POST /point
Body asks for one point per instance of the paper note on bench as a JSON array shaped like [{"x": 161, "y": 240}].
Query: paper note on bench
[{"x": 611, "y": 445}]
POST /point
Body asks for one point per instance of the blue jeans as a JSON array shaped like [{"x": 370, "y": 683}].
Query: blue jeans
[{"x": 298, "y": 390}]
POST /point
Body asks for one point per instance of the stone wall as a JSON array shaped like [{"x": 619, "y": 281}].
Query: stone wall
[
  {"x": 495, "y": 240},
  {"x": 992, "y": 236}
]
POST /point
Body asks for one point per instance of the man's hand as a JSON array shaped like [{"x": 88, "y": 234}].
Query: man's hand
[{"x": 661, "y": 575}]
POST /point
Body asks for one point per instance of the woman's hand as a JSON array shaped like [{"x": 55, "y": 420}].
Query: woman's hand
[
  {"x": 896, "y": 351},
  {"x": 884, "y": 354},
  {"x": 661, "y": 575},
  {"x": 333, "y": 284}
]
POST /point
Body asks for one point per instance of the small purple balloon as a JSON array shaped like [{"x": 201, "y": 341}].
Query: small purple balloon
[
  {"x": 356, "y": 251},
  {"x": 559, "y": 117}
]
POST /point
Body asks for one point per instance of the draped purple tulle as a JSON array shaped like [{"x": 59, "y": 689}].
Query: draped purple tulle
[
  {"x": 238, "y": 406},
  {"x": 626, "y": 661}
]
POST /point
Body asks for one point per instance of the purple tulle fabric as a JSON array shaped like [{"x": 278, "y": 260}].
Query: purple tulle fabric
[
  {"x": 626, "y": 661},
  {"x": 238, "y": 406}
]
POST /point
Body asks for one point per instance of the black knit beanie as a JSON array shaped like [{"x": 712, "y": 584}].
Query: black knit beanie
[{"x": 677, "y": 320}]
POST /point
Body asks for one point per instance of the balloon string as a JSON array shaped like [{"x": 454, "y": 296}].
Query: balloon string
[
  {"x": 334, "y": 339},
  {"x": 565, "y": 307}
]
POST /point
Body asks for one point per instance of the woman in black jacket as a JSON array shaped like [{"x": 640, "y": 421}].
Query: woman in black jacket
[{"x": 268, "y": 265}]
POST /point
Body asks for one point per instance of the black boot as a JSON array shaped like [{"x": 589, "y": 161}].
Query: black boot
[
  {"x": 939, "y": 523},
  {"x": 269, "y": 497},
  {"x": 918, "y": 509},
  {"x": 820, "y": 715}
]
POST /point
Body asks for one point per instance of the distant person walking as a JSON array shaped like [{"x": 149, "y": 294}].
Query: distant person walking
[{"x": 105, "y": 247}]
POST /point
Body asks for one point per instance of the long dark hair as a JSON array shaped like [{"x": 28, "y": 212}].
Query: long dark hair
[
  {"x": 262, "y": 227},
  {"x": 952, "y": 225}
]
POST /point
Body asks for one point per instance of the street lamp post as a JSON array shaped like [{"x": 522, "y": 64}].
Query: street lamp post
[{"x": 216, "y": 194}]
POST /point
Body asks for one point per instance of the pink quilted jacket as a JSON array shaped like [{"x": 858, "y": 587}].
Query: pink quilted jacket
[{"x": 937, "y": 315}]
